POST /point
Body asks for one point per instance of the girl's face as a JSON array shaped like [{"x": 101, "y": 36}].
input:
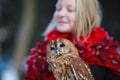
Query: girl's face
[{"x": 64, "y": 15}]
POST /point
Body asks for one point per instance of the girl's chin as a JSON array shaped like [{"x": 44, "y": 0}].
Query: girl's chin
[{"x": 63, "y": 31}]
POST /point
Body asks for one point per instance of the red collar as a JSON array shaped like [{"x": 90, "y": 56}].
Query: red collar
[{"x": 97, "y": 35}]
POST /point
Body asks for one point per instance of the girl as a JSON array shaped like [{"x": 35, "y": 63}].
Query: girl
[{"x": 78, "y": 21}]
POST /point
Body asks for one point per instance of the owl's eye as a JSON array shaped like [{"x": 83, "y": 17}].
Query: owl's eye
[
  {"x": 52, "y": 48},
  {"x": 62, "y": 45}
]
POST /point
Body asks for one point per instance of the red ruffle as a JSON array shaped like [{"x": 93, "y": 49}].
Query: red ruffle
[{"x": 98, "y": 49}]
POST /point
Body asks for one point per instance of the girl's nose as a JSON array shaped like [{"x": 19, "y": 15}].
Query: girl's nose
[{"x": 61, "y": 13}]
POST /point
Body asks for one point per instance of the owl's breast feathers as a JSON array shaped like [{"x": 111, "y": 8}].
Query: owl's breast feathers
[{"x": 70, "y": 67}]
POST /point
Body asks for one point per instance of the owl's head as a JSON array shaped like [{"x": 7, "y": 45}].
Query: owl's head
[{"x": 60, "y": 46}]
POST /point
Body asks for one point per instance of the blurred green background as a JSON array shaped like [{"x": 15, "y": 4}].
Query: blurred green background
[{"x": 23, "y": 21}]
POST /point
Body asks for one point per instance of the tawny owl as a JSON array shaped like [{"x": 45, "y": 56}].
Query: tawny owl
[{"x": 65, "y": 63}]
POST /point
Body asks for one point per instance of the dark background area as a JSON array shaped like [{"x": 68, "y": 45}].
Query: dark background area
[{"x": 11, "y": 13}]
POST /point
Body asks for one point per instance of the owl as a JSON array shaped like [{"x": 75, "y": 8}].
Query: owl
[{"x": 65, "y": 62}]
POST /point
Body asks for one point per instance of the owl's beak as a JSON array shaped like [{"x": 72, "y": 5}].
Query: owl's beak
[{"x": 58, "y": 52}]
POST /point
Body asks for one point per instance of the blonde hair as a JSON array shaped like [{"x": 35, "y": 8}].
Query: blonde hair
[{"x": 88, "y": 16}]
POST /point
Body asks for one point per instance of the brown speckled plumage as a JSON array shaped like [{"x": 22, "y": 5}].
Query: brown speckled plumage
[{"x": 65, "y": 63}]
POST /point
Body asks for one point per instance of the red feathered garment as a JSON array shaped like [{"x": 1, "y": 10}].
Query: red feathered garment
[{"x": 99, "y": 49}]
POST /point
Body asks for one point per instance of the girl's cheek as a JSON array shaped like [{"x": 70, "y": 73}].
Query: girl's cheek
[{"x": 55, "y": 15}]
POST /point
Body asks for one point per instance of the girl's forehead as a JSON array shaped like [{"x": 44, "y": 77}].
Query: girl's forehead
[{"x": 66, "y": 2}]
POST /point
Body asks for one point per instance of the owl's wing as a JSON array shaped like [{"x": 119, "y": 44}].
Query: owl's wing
[{"x": 80, "y": 69}]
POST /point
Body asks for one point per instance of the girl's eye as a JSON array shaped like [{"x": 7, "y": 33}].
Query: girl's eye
[
  {"x": 58, "y": 8},
  {"x": 71, "y": 10}
]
